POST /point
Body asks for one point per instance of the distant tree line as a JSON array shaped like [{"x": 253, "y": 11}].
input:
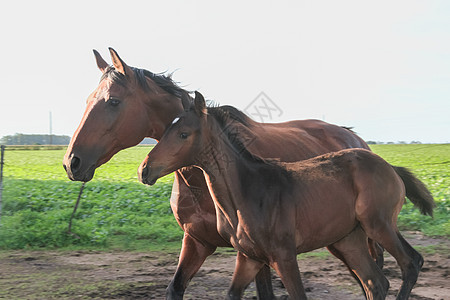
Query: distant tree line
[
  {"x": 46, "y": 139},
  {"x": 390, "y": 143},
  {"x": 148, "y": 141},
  {"x": 19, "y": 139},
  {"x": 35, "y": 139}
]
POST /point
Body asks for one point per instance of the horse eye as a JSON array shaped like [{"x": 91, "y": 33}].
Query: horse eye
[
  {"x": 183, "y": 135},
  {"x": 113, "y": 101}
]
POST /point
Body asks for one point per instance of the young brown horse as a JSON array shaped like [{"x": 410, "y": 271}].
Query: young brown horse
[
  {"x": 130, "y": 104},
  {"x": 272, "y": 211}
]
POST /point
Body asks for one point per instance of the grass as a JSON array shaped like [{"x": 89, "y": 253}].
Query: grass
[
  {"x": 431, "y": 164},
  {"x": 117, "y": 212}
]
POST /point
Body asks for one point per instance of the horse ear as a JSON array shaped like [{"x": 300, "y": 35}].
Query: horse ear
[
  {"x": 101, "y": 63},
  {"x": 119, "y": 64},
  {"x": 199, "y": 104},
  {"x": 186, "y": 101}
]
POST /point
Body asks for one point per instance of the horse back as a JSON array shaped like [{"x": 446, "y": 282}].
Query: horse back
[
  {"x": 334, "y": 190},
  {"x": 329, "y": 135},
  {"x": 298, "y": 140}
]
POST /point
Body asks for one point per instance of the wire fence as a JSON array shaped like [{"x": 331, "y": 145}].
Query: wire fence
[
  {"x": 33, "y": 147},
  {"x": 2, "y": 147}
]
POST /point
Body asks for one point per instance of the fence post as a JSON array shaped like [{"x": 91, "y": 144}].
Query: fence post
[
  {"x": 2, "y": 147},
  {"x": 69, "y": 230}
]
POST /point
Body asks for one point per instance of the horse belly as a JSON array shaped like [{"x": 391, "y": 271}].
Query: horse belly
[{"x": 325, "y": 217}]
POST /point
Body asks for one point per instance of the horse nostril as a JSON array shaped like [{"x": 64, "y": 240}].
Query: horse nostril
[
  {"x": 75, "y": 163},
  {"x": 145, "y": 172}
]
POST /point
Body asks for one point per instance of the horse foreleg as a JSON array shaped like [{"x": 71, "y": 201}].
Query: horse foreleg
[
  {"x": 352, "y": 250},
  {"x": 244, "y": 272},
  {"x": 193, "y": 254},
  {"x": 287, "y": 269}
]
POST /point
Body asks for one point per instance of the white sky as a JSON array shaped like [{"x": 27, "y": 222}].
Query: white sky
[{"x": 382, "y": 67}]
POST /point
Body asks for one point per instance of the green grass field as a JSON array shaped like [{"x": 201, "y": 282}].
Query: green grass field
[{"x": 116, "y": 211}]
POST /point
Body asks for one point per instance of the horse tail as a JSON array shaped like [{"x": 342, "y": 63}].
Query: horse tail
[{"x": 416, "y": 191}]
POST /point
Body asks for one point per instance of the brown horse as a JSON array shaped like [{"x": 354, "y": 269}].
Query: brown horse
[
  {"x": 130, "y": 104},
  {"x": 272, "y": 211}
]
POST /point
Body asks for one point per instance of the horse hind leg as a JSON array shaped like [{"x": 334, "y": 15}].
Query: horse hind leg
[
  {"x": 409, "y": 260},
  {"x": 377, "y": 253},
  {"x": 352, "y": 250},
  {"x": 263, "y": 282},
  {"x": 414, "y": 267}
]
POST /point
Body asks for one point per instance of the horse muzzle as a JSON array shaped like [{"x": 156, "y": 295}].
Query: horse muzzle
[
  {"x": 148, "y": 174},
  {"x": 77, "y": 170}
]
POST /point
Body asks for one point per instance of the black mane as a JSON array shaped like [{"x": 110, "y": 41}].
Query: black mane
[
  {"x": 261, "y": 178},
  {"x": 229, "y": 119},
  {"x": 230, "y": 130},
  {"x": 226, "y": 112},
  {"x": 162, "y": 80}
]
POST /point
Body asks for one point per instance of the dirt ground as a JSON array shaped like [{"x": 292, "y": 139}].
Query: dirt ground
[{"x": 138, "y": 275}]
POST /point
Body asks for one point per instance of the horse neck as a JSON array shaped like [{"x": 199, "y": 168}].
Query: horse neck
[
  {"x": 162, "y": 108},
  {"x": 220, "y": 161}
]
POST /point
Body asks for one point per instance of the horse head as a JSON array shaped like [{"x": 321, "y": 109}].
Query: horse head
[
  {"x": 127, "y": 106},
  {"x": 181, "y": 143}
]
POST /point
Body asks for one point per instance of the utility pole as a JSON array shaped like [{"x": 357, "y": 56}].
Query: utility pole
[
  {"x": 2, "y": 147},
  {"x": 51, "y": 137}
]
